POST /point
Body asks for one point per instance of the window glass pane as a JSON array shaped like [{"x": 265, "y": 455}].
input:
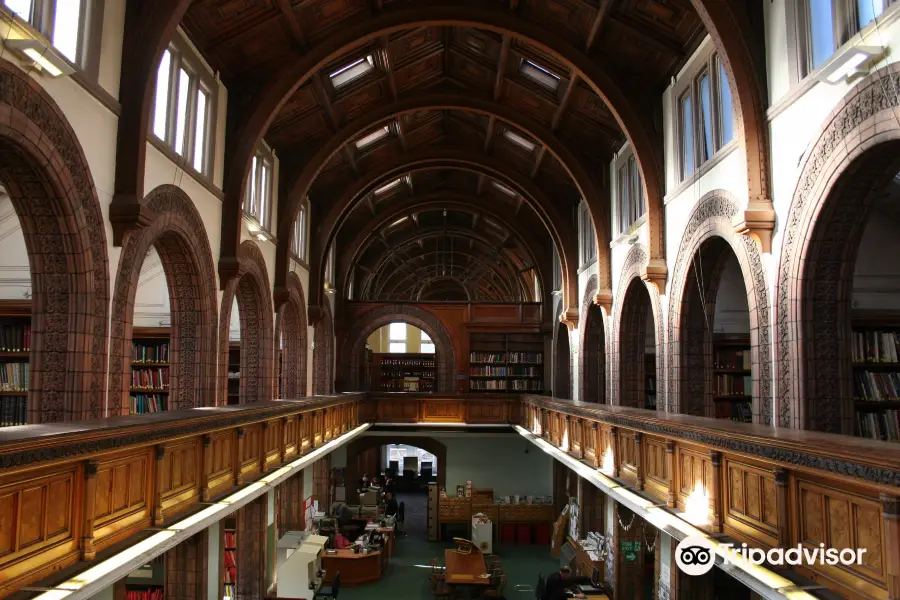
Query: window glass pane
[
  {"x": 184, "y": 84},
  {"x": 868, "y": 10},
  {"x": 726, "y": 106},
  {"x": 66, "y": 28},
  {"x": 254, "y": 187},
  {"x": 687, "y": 137},
  {"x": 427, "y": 348},
  {"x": 821, "y": 31},
  {"x": 20, "y": 7},
  {"x": 264, "y": 195},
  {"x": 200, "y": 131},
  {"x": 397, "y": 347},
  {"x": 425, "y": 338},
  {"x": 705, "y": 143},
  {"x": 162, "y": 95},
  {"x": 397, "y": 331},
  {"x": 622, "y": 203}
]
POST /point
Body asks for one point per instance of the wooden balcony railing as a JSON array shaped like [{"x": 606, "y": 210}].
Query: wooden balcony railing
[
  {"x": 762, "y": 486},
  {"x": 69, "y": 490}
]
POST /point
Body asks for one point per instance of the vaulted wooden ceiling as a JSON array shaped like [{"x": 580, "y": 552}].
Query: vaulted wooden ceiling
[{"x": 459, "y": 92}]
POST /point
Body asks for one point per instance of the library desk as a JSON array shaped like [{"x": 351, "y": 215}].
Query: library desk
[
  {"x": 464, "y": 569},
  {"x": 355, "y": 569}
]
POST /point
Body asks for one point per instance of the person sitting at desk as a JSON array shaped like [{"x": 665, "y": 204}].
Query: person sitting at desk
[
  {"x": 363, "y": 483},
  {"x": 391, "y": 508},
  {"x": 558, "y": 583}
]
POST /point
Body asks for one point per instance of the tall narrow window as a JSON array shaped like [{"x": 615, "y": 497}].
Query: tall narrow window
[
  {"x": 397, "y": 337},
  {"x": 181, "y": 108},
  {"x": 705, "y": 116},
  {"x": 298, "y": 241},
  {"x": 67, "y": 28},
  {"x": 427, "y": 346},
  {"x": 687, "y": 136},
  {"x": 200, "y": 131},
  {"x": 161, "y": 109},
  {"x": 264, "y": 192},
  {"x": 622, "y": 200},
  {"x": 821, "y": 31},
  {"x": 636, "y": 185},
  {"x": 726, "y": 108},
  {"x": 868, "y": 10},
  {"x": 23, "y": 8}
]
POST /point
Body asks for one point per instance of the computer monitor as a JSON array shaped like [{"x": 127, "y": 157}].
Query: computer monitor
[{"x": 566, "y": 555}]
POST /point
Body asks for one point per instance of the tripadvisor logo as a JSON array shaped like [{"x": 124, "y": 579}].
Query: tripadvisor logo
[{"x": 696, "y": 555}]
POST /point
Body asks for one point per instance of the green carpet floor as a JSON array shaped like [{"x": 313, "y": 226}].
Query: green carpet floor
[{"x": 406, "y": 576}]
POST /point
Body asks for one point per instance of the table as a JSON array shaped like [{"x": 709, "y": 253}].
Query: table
[
  {"x": 355, "y": 568},
  {"x": 464, "y": 569}
]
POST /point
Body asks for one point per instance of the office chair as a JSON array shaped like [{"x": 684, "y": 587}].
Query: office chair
[
  {"x": 331, "y": 591},
  {"x": 401, "y": 516}
]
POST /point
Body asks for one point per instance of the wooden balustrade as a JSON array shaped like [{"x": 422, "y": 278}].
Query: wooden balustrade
[
  {"x": 69, "y": 490},
  {"x": 473, "y": 409},
  {"x": 753, "y": 483}
]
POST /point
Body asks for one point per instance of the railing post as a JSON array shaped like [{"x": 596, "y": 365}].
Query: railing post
[
  {"x": 639, "y": 460},
  {"x": 238, "y": 457},
  {"x": 264, "y": 451},
  {"x": 90, "y": 494},
  {"x": 890, "y": 513},
  {"x": 160, "y": 482},
  {"x": 207, "y": 468},
  {"x": 595, "y": 435},
  {"x": 715, "y": 491},
  {"x": 673, "y": 480},
  {"x": 614, "y": 444},
  {"x": 283, "y": 440},
  {"x": 781, "y": 501}
]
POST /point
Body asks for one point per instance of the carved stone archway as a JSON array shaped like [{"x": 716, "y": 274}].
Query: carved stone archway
[
  {"x": 291, "y": 334},
  {"x": 179, "y": 236},
  {"x": 855, "y": 154},
  {"x": 323, "y": 353},
  {"x": 252, "y": 289},
  {"x": 445, "y": 350},
  {"x": 688, "y": 365},
  {"x": 48, "y": 180},
  {"x": 633, "y": 298},
  {"x": 592, "y": 348},
  {"x": 361, "y": 444}
]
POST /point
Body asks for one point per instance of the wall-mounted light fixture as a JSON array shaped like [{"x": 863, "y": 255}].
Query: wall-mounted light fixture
[
  {"x": 41, "y": 55},
  {"x": 849, "y": 63}
]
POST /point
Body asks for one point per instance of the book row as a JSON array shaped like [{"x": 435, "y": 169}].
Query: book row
[
  {"x": 14, "y": 377},
  {"x": 148, "y": 403},
  {"x": 876, "y": 386},
  {"x": 425, "y": 363},
  {"x": 880, "y": 425},
  {"x": 733, "y": 385},
  {"x": 736, "y": 411},
  {"x": 533, "y": 358},
  {"x": 13, "y": 410},
  {"x": 504, "y": 372},
  {"x": 150, "y": 353},
  {"x": 15, "y": 338},
  {"x": 150, "y": 378},
  {"x": 875, "y": 346},
  {"x": 732, "y": 359},
  {"x": 154, "y": 594}
]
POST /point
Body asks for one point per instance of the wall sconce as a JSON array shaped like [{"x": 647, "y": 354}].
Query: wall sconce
[
  {"x": 849, "y": 63},
  {"x": 41, "y": 55}
]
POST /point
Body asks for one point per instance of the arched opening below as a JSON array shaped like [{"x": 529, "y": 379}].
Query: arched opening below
[
  {"x": 637, "y": 349},
  {"x": 234, "y": 354},
  {"x": 400, "y": 357},
  {"x": 594, "y": 359},
  {"x": 717, "y": 367},
  {"x": 562, "y": 380}
]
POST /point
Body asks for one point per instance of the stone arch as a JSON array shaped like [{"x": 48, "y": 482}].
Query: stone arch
[
  {"x": 254, "y": 299},
  {"x": 591, "y": 356},
  {"x": 323, "y": 354},
  {"x": 290, "y": 329},
  {"x": 561, "y": 382},
  {"x": 177, "y": 232},
  {"x": 49, "y": 182},
  {"x": 687, "y": 366},
  {"x": 628, "y": 333},
  {"x": 853, "y": 157},
  {"x": 361, "y": 444},
  {"x": 445, "y": 349}
]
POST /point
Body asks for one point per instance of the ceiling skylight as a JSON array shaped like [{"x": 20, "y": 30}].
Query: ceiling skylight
[
  {"x": 349, "y": 72},
  {"x": 388, "y": 186},
  {"x": 503, "y": 188},
  {"x": 368, "y": 140},
  {"x": 519, "y": 141},
  {"x": 543, "y": 76}
]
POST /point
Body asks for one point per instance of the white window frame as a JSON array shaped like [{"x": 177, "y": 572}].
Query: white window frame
[
  {"x": 587, "y": 240},
  {"x": 259, "y": 195},
  {"x": 200, "y": 81},
  {"x": 42, "y": 19},
  {"x": 392, "y": 340},
  {"x": 299, "y": 233},
  {"x": 425, "y": 340},
  {"x": 630, "y": 199},
  {"x": 352, "y": 71},
  {"x": 540, "y": 74}
]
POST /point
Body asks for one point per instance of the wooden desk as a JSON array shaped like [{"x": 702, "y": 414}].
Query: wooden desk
[
  {"x": 355, "y": 569},
  {"x": 388, "y": 533},
  {"x": 464, "y": 569}
]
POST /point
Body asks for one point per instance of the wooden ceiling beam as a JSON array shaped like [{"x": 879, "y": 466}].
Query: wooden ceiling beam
[
  {"x": 388, "y": 67},
  {"x": 480, "y": 187},
  {"x": 597, "y": 25},
  {"x": 538, "y": 159},
  {"x": 661, "y": 44},
  {"x": 318, "y": 84},
  {"x": 501, "y": 66},
  {"x": 291, "y": 22},
  {"x": 370, "y": 203},
  {"x": 557, "y": 119},
  {"x": 489, "y": 134}
]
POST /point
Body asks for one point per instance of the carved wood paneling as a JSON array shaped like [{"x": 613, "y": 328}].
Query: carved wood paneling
[
  {"x": 219, "y": 462},
  {"x": 629, "y": 461},
  {"x": 250, "y": 451},
  {"x": 656, "y": 467},
  {"x": 443, "y": 411},
  {"x": 181, "y": 469},
  {"x": 694, "y": 479},
  {"x": 122, "y": 497},
  {"x": 486, "y": 412},
  {"x": 751, "y": 501}
]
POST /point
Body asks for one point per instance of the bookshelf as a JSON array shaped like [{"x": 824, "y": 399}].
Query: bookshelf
[
  {"x": 149, "y": 370},
  {"x": 404, "y": 372},
  {"x": 15, "y": 353},
  {"x": 234, "y": 373},
  {"x": 732, "y": 379},
  {"x": 229, "y": 559},
  {"x": 875, "y": 353},
  {"x": 506, "y": 362},
  {"x": 147, "y": 582}
]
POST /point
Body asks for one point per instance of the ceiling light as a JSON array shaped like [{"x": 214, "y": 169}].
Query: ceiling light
[
  {"x": 849, "y": 63},
  {"x": 503, "y": 188},
  {"x": 387, "y": 187},
  {"x": 373, "y": 137},
  {"x": 518, "y": 140},
  {"x": 542, "y": 75},
  {"x": 398, "y": 221},
  {"x": 349, "y": 72},
  {"x": 41, "y": 55}
]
